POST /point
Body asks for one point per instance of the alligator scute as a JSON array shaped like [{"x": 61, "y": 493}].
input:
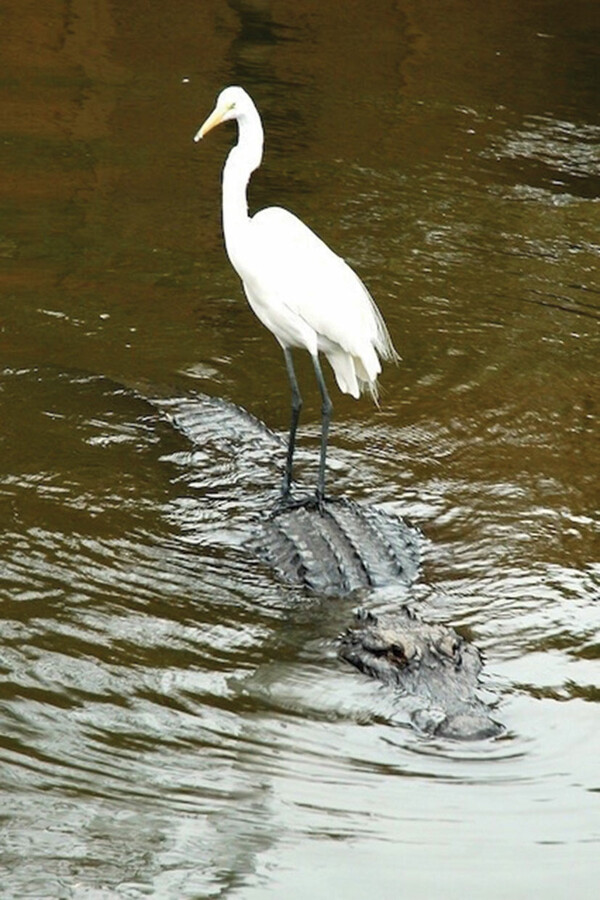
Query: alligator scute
[{"x": 339, "y": 548}]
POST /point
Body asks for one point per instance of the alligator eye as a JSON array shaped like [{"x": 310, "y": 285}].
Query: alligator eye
[{"x": 396, "y": 654}]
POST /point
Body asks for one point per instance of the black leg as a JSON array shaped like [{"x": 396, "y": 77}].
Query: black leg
[
  {"x": 326, "y": 407},
  {"x": 296, "y": 407}
]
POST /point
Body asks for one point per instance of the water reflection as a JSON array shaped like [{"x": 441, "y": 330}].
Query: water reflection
[{"x": 560, "y": 149}]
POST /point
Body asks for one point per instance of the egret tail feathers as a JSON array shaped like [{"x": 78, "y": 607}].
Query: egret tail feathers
[
  {"x": 356, "y": 375},
  {"x": 345, "y": 375}
]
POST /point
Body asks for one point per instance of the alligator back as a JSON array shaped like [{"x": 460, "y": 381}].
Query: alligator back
[{"x": 339, "y": 548}]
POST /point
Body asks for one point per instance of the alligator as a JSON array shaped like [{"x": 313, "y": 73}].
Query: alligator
[{"x": 336, "y": 548}]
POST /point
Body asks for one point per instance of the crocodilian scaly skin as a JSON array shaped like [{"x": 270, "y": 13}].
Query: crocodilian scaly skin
[{"x": 432, "y": 666}]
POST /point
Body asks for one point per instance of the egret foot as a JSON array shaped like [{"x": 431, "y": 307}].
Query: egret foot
[{"x": 311, "y": 502}]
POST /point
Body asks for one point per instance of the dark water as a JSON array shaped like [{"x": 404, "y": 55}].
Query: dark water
[{"x": 173, "y": 720}]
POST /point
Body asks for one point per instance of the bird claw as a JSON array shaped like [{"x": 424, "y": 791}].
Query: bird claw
[{"x": 312, "y": 502}]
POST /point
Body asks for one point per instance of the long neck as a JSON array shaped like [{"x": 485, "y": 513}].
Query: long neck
[{"x": 241, "y": 162}]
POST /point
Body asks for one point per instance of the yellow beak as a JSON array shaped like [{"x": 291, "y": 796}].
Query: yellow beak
[{"x": 215, "y": 118}]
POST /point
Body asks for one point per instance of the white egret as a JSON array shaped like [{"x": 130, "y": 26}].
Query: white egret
[{"x": 305, "y": 294}]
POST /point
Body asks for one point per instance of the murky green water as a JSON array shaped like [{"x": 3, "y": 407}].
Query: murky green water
[{"x": 174, "y": 722}]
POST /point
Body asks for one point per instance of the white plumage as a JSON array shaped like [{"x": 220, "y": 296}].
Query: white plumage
[{"x": 299, "y": 289}]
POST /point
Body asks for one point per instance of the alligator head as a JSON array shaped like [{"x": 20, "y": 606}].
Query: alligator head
[{"x": 428, "y": 663}]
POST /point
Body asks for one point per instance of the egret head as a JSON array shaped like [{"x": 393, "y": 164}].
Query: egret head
[{"x": 232, "y": 103}]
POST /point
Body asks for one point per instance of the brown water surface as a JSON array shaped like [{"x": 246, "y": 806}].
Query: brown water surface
[{"x": 173, "y": 721}]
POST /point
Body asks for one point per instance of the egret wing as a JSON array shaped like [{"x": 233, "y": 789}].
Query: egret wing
[{"x": 292, "y": 267}]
